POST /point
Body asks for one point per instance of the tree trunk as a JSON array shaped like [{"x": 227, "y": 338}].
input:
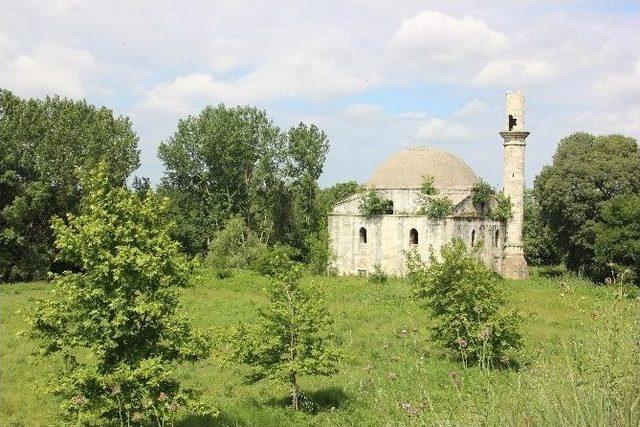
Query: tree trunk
[{"x": 294, "y": 392}]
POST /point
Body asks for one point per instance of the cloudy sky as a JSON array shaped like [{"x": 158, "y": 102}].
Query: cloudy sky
[{"x": 377, "y": 76}]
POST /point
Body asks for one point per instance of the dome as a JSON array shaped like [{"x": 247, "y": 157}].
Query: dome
[{"x": 406, "y": 169}]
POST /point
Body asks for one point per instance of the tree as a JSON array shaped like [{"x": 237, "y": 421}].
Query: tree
[
  {"x": 481, "y": 194},
  {"x": 44, "y": 146},
  {"x": 228, "y": 162},
  {"x": 465, "y": 299},
  {"x": 587, "y": 171},
  {"x": 120, "y": 306},
  {"x": 539, "y": 247},
  {"x": 432, "y": 206},
  {"x": 617, "y": 234},
  {"x": 293, "y": 335}
]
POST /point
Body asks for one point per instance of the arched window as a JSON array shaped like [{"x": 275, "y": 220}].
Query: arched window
[
  {"x": 413, "y": 236},
  {"x": 496, "y": 239},
  {"x": 363, "y": 235},
  {"x": 473, "y": 237}
]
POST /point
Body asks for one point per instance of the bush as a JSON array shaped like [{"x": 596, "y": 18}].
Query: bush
[
  {"x": 117, "y": 319},
  {"x": 437, "y": 208},
  {"x": 235, "y": 246},
  {"x": 320, "y": 254},
  {"x": 465, "y": 299},
  {"x": 481, "y": 194},
  {"x": 274, "y": 259},
  {"x": 502, "y": 209},
  {"x": 378, "y": 276},
  {"x": 373, "y": 203}
]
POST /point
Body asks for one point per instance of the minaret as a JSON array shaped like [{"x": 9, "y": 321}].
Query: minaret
[{"x": 514, "y": 266}]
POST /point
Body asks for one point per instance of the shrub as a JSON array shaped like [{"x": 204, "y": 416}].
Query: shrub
[
  {"x": 378, "y": 276},
  {"x": 465, "y": 299},
  {"x": 373, "y": 203},
  {"x": 273, "y": 259},
  {"x": 121, "y": 307},
  {"x": 437, "y": 208},
  {"x": 481, "y": 194},
  {"x": 292, "y": 336},
  {"x": 502, "y": 209},
  {"x": 234, "y": 246},
  {"x": 320, "y": 253},
  {"x": 428, "y": 187}
]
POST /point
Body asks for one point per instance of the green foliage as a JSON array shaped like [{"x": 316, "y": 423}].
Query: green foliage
[
  {"x": 120, "y": 306},
  {"x": 539, "y": 246},
  {"x": 328, "y": 197},
  {"x": 378, "y": 277},
  {"x": 320, "y": 253},
  {"x": 587, "y": 171},
  {"x": 437, "y": 207},
  {"x": 44, "y": 145},
  {"x": 501, "y": 211},
  {"x": 428, "y": 187},
  {"x": 274, "y": 259},
  {"x": 293, "y": 335},
  {"x": 234, "y": 246},
  {"x": 482, "y": 194},
  {"x": 617, "y": 234},
  {"x": 373, "y": 204},
  {"x": 228, "y": 162},
  {"x": 465, "y": 299}
]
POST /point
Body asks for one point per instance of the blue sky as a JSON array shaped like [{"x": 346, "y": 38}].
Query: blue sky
[{"x": 377, "y": 76}]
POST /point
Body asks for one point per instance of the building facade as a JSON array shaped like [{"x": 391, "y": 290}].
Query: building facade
[{"x": 361, "y": 244}]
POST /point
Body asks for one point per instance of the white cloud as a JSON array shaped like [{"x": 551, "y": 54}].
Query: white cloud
[
  {"x": 620, "y": 85},
  {"x": 50, "y": 68},
  {"x": 473, "y": 108},
  {"x": 318, "y": 69},
  {"x": 433, "y": 38},
  {"x": 365, "y": 111},
  {"x": 514, "y": 72},
  {"x": 444, "y": 131}
]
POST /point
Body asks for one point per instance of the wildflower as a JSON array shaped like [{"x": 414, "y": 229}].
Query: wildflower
[
  {"x": 406, "y": 407},
  {"x": 78, "y": 400},
  {"x": 136, "y": 416},
  {"x": 462, "y": 342},
  {"x": 485, "y": 334},
  {"x": 607, "y": 281},
  {"x": 162, "y": 397},
  {"x": 115, "y": 390},
  {"x": 453, "y": 374},
  {"x": 174, "y": 407}
]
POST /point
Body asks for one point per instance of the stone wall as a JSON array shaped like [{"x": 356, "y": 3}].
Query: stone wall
[{"x": 388, "y": 237}]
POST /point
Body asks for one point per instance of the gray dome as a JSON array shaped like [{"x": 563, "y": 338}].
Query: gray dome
[{"x": 406, "y": 169}]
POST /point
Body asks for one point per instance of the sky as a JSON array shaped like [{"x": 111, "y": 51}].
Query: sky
[{"x": 376, "y": 76}]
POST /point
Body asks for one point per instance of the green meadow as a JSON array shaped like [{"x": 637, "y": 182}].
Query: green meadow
[{"x": 579, "y": 365}]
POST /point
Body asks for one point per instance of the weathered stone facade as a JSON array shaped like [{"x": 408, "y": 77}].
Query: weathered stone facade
[{"x": 360, "y": 243}]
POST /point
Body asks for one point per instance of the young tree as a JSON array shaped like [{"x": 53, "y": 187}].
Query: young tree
[
  {"x": 44, "y": 145},
  {"x": 587, "y": 171},
  {"x": 293, "y": 335},
  {"x": 373, "y": 203},
  {"x": 539, "y": 247},
  {"x": 466, "y": 301},
  {"x": 121, "y": 306}
]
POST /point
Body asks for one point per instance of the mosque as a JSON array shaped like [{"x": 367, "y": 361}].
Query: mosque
[{"x": 361, "y": 244}]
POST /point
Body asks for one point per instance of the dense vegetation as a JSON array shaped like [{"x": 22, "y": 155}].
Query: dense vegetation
[
  {"x": 44, "y": 147},
  {"x": 578, "y": 365}
]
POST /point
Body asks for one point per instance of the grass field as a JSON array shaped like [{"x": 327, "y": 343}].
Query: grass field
[{"x": 579, "y": 365}]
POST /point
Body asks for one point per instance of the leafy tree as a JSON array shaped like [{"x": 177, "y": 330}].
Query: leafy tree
[
  {"x": 320, "y": 254},
  {"x": 587, "y": 171},
  {"x": 428, "y": 187},
  {"x": 328, "y": 197},
  {"x": 121, "y": 307},
  {"x": 229, "y": 162},
  {"x": 617, "y": 234},
  {"x": 539, "y": 247},
  {"x": 373, "y": 203},
  {"x": 466, "y": 301},
  {"x": 293, "y": 335},
  {"x": 44, "y": 146}
]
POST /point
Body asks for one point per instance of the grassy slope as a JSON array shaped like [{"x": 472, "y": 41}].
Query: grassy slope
[{"x": 389, "y": 359}]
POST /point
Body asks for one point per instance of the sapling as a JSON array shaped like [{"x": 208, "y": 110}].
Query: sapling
[{"x": 293, "y": 335}]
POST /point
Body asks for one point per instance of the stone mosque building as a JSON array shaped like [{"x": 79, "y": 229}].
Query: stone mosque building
[{"x": 360, "y": 243}]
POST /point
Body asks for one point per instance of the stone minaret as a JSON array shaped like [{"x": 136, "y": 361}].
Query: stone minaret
[{"x": 514, "y": 265}]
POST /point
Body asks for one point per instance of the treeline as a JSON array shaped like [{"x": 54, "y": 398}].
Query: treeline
[
  {"x": 225, "y": 166},
  {"x": 584, "y": 209}
]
